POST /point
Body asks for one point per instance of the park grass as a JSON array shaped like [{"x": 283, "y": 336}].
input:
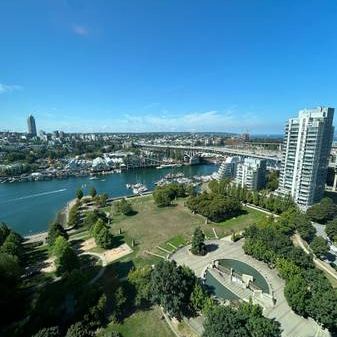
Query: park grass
[
  {"x": 147, "y": 323},
  {"x": 248, "y": 217},
  {"x": 154, "y": 226}
]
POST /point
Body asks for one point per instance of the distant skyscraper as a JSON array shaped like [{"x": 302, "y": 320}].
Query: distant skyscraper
[
  {"x": 251, "y": 173},
  {"x": 306, "y": 149},
  {"x": 31, "y": 126}
]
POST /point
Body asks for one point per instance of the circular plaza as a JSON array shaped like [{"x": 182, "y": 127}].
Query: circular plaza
[{"x": 230, "y": 274}]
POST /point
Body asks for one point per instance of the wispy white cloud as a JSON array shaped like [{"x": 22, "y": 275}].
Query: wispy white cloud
[
  {"x": 4, "y": 88},
  {"x": 80, "y": 30}
]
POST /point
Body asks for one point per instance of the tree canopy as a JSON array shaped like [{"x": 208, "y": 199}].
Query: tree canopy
[
  {"x": 171, "y": 287},
  {"x": 198, "y": 242},
  {"x": 245, "y": 321},
  {"x": 214, "y": 206},
  {"x": 323, "y": 211}
]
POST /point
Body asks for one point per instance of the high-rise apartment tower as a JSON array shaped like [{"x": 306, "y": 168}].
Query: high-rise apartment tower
[
  {"x": 31, "y": 126},
  {"x": 306, "y": 149}
]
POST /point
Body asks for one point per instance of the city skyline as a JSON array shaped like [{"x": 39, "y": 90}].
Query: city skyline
[{"x": 118, "y": 67}]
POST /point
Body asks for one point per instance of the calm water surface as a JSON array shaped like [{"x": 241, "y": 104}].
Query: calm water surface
[{"x": 29, "y": 207}]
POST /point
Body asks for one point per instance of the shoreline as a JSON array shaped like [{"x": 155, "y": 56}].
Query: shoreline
[{"x": 64, "y": 212}]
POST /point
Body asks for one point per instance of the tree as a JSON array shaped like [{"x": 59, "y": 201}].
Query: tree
[
  {"x": 4, "y": 232},
  {"x": 101, "y": 200},
  {"x": 74, "y": 217},
  {"x": 13, "y": 245},
  {"x": 331, "y": 230},
  {"x": 10, "y": 276},
  {"x": 198, "y": 242},
  {"x": 245, "y": 321},
  {"x": 272, "y": 180},
  {"x": 199, "y": 297},
  {"x": 171, "y": 287},
  {"x": 287, "y": 268},
  {"x": 214, "y": 206},
  {"x": 304, "y": 227},
  {"x": 53, "y": 331},
  {"x": 104, "y": 238},
  {"x": 163, "y": 196},
  {"x": 297, "y": 294},
  {"x": 140, "y": 278},
  {"x": 93, "y": 192},
  {"x": 66, "y": 258},
  {"x": 79, "y": 194},
  {"x": 223, "y": 321},
  {"x": 124, "y": 207},
  {"x": 79, "y": 329},
  {"x": 55, "y": 230},
  {"x": 319, "y": 246},
  {"x": 323, "y": 211},
  {"x": 98, "y": 226}
]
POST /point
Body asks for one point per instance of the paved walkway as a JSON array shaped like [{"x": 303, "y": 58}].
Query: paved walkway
[
  {"x": 319, "y": 263},
  {"x": 292, "y": 324}
]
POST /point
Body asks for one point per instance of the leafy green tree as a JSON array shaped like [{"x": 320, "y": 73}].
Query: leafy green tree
[
  {"x": 245, "y": 321},
  {"x": 198, "y": 242},
  {"x": 13, "y": 245},
  {"x": 214, "y": 206},
  {"x": 163, "y": 196},
  {"x": 66, "y": 258},
  {"x": 104, "y": 238},
  {"x": 287, "y": 268},
  {"x": 118, "y": 303},
  {"x": 304, "y": 227},
  {"x": 199, "y": 297},
  {"x": 55, "y": 230},
  {"x": 223, "y": 321},
  {"x": 272, "y": 180},
  {"x": 74, "y": 218},
  {"x": 98, "y": 226},
  {"x": 323, "y": 211},
  {"x": 4, "y": 232},
  {"x": 79, "y": 329},
  {"x": 171, "y": 287},
  {"x": 79, "y": 194},
  {"x": 10, "y": 277},
  {"x": 140, "y": 278},
  {"x": 101, "y": 200},
  {"x": 297, "y": 294},
  {"x": 124, "y": 207},
  {"x": 53, "y": 331},
  {"x": 319, "y": 246},
  {"x": 93, "y": 192},
  {"x": 331, "y": 230}
]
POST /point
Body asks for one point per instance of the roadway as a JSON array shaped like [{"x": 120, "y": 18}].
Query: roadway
[{"x": 274, "y": 156}]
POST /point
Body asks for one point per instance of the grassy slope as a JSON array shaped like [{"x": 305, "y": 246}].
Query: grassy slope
[{"x": 144, "y": 324}]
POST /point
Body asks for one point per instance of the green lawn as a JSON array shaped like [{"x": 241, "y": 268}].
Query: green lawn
[
  {"x": 148, "y": 323},
  {"x": 249, "y": 217},
  {"x": 153, "y": 226}
]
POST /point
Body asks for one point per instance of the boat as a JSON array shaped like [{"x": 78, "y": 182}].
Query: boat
[
  {"x": 93, "y": 178},
  {"x": 139, "y": 189}
]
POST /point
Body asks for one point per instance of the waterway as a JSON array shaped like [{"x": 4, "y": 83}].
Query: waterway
[{"x": 29, "y": 207}]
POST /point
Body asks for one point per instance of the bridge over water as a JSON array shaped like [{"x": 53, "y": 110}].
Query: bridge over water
[{"x": 273, "y": 157}]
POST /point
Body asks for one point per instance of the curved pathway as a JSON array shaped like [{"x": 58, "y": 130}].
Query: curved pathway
[
  {"x": 101, "y": 271},
  {"x": 291, "y": 323}
]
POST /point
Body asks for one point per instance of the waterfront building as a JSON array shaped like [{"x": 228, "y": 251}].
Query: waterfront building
[
  {"x": 31, "y": 126},
  {"x": 228, "y": 168},
  {"x": 305, "y": 156},
  {"x": 251, "y": 173}
]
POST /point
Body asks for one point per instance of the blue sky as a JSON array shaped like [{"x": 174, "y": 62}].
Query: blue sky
[{"x": 165, "y": 65}]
